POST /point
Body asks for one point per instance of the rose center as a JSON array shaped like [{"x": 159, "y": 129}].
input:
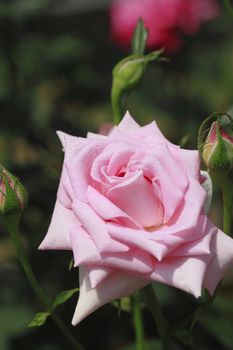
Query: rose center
[{"x": 139, "y": 197}]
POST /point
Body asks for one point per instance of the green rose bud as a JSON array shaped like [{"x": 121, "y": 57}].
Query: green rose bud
[
  {"x": 127, "y": 75},
  {"x": 218, "y": 149},
  {"x": 13, "y": 195}
]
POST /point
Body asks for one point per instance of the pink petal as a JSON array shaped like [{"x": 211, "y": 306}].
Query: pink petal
[
  {"x": 136, "y": 197},
  {"x": 190, "y": 162},
  {"x": 138, "y": 238},
  {"x": 107, "y": 210},
  {"x": 169, "y": 176},
  {"x": 113, "y": 158},
  {"x": 194, "y": 248},
  {"x": 187, "y": 219},
  {"x": 62, "y": 221},
  {"x": 92, "y": 135},
  {"x": 116, "y": 286},
  {"x": 65, "y": 193},
  {"x": 222, "y": 246},
  {"x": 161, "y": 245},
  {"x": 152, "y": 134},
  {"x": 98, "y": 274},
  {"x": 96, "y": 228},
  {"x": 128, "y": 124},
  {"x": 79, "y": 164},
  {"x": 206, "y": 183},
  {"x": 69, "y": 141},
  {"x": 86, "y": 253},
  {"x": 184, "y": 273}
]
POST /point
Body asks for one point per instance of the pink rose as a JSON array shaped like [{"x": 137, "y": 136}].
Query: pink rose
[
  {"x": 165, "y": 19},
  {"x": 130, "y": 206}
]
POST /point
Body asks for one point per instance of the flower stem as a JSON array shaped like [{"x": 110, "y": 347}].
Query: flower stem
[
  {"x": 138, "y": 324},
  {"x": 160, "y": 321},
  {"x": 12, "y": 224},
  {"x": 116, "y": 100},
  {"x": 227, "y": 193}
]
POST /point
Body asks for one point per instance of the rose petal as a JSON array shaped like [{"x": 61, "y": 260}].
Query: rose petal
[
  {"x": 79, "y": 165},
  {"x": 92, "y": 135},
  {"x": 62, "y": 221},
  {"x": 169, "y": 176},
  {"x": 128, "y": 124},
  {"x": 188, "y": 217},
  {"x": 96, "y": 228},
  {"x": 135, "y": 196},
  {"x": 65, "y": 193},
  {"x": 185, "y": 274},
  {"x": 116, "y": 286},
  {"x": 139, "y": 239},
  {"x": 107, "y": 210},
  {"x": 86, "y": 253},
  {"x": 208, "y": 187},
  {"x": 98, "y": 274},
  {"x": 190, "y": 162},
  {"x": 222, "y": 247}
]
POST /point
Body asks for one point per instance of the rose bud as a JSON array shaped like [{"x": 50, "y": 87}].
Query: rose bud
[
  {"x": 217, "y": 150},
  {"x": 128, "y": 73},
  {"x": 13, "y": 195}
]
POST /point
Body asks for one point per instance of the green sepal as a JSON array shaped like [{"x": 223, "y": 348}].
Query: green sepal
[
  {"x": 139, "y": 38},
  {"x": 204, "y": 130}
]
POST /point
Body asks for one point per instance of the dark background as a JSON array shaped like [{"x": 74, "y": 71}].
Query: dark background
[{"x": 56, "y": 59}]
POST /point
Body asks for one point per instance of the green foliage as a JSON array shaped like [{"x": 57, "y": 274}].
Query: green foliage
[
  {"x": 41, "y": 317},
  {"x": 62, "y": 297}
]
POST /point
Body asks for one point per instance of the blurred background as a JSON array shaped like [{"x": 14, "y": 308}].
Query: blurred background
[{"x": 56, "y": 59}]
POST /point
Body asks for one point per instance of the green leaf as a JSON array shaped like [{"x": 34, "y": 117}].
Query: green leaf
[
  {"x": 64, "y": 296},
  {"x": 139, "y": 38},
  {"x": 39, "y": 319}
]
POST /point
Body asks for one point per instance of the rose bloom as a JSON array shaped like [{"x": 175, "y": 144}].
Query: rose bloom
[
  {"x": 165, "y": 19},
  {"x": 130, "y": 206}
]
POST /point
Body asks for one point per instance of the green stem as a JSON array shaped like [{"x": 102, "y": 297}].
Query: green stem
[
  {"x": 116, "y": 104},
  {"x": 227, "y": 193},
  {"x": 160, "y": 321},
  {"x": 12, "y": 224},
  {"x": 138, "y": 324}
]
